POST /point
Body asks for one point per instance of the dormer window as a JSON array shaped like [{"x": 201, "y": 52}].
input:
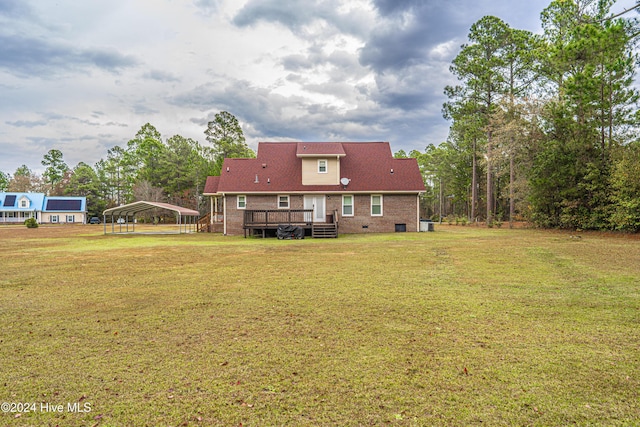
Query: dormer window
[
  {"x": 322, "y": 166},
  {"x": 24, "y": 203}
]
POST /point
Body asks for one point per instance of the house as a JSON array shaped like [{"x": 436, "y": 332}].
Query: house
[
  {"x": 15, "y": 208},
  {"x": 356, "y": 187}
]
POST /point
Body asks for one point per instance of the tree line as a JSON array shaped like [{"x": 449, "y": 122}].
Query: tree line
[
  {"x": 148, "y": 168},
  {"x": 543, "y": 127}
]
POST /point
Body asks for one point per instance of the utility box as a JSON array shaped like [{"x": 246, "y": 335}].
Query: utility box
[{"x": 426, "y": 225}]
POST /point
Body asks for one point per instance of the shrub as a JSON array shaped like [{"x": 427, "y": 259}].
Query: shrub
[{"x": 31, "y": 223}]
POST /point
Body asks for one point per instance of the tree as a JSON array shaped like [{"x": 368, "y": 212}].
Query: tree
[
  {"x": 117, "y": 175},
  {"x": 4, "y": 181},
  {"x": 144, "y": 153},
  {"x": 626, "y": 189},
  {"x": 84, "y": 182},
  {"x": 480, "y": 67},
  {"x": 227, "y": 139},
  {"x": 22, "y": 181},
  {"x": 517, "y": 134},
  {"x": 467, "y": 130},
  {"x": 185, "y": 170},
  {"x": 521, "y": 53},
  {"x": 447, "y": 187},
  {"x": 56, "y": 169},
  {"x": 588, "y": 69}
]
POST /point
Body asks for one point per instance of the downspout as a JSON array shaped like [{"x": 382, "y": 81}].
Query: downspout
[{"x": 418, "y": 212}]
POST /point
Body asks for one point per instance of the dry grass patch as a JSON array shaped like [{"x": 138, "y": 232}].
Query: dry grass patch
[{"x": 459, "y": 327}]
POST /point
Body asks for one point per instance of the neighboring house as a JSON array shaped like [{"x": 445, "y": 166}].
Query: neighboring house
[
  {"x": 356, "y": 187},
  {"x": 16, "y": 207}
]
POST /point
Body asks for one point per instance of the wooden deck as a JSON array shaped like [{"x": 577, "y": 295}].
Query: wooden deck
[
  {"x": 263, "y": 220},
  {"x": 260, "y": 221}
]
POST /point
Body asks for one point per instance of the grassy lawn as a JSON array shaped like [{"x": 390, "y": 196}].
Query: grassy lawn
[{"x": 464, "y": 326}]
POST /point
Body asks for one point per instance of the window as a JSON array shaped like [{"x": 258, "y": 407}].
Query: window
[
  {"x": 54, "y": 219},
  {"x": 242, "y": 202},
  {"x": 71, "y": 218},
  {"x": 283, "y": 202},
  {"x": 322, "y": 166},
  {"x": 347, "y": 205},
  {"x": 376, "y": 205},
  {"x": 24, "y": 203}
]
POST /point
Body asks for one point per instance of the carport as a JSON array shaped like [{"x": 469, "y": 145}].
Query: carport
[{"x": 122, "y": 219}]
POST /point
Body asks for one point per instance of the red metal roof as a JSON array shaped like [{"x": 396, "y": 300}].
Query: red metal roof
[
  {"x": 277, "y": 169},
  {"x": 140, "y": 206}
]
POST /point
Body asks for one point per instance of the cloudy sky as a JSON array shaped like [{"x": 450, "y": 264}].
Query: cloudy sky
[{"x": 84, "y": 76}]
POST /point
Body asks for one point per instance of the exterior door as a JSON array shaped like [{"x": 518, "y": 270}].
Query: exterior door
[{"x": 318, "y": 205}]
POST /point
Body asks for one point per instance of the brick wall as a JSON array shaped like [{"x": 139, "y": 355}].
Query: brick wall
[
  {"x": 396, "y": 209},
  {"x": 235, "y": 216}
]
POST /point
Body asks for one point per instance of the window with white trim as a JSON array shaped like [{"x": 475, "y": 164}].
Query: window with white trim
[
  {"x": 376, "y": 205},
  {"x": 71, "y": 218},
  {"x": 242, "y": 202},
  {"x": 55, "y": 219},
  {"x": 347, "y": 205},
  {"x": 283, "y": 202},
  {"x": 322, "y": 166}
]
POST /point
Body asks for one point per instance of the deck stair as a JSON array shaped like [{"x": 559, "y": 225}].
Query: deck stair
[
  {"x": 324, "y": 230},
  {"x": 205, "y": 224}
]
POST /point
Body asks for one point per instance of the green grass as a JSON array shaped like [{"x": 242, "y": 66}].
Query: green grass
[{"x": 464, "y": 326}]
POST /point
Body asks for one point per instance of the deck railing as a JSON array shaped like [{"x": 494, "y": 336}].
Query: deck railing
[
  {"x": 266, "y": 218},
  {"x": 206, "y": 224}
]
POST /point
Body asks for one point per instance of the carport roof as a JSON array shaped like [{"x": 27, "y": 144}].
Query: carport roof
[{"x": 141, "y": 206}]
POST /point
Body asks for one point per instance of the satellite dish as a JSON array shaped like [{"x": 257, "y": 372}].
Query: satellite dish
[{"x": 345, "y": 181}]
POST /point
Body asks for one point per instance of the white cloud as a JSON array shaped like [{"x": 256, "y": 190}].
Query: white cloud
[{"x": 85, "y": 76}]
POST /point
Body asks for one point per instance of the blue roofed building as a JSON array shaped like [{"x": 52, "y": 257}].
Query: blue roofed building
[{"x": 15, "y": 208}]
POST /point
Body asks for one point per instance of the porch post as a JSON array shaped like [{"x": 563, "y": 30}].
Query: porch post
[{"x": 211, "y": 209}]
